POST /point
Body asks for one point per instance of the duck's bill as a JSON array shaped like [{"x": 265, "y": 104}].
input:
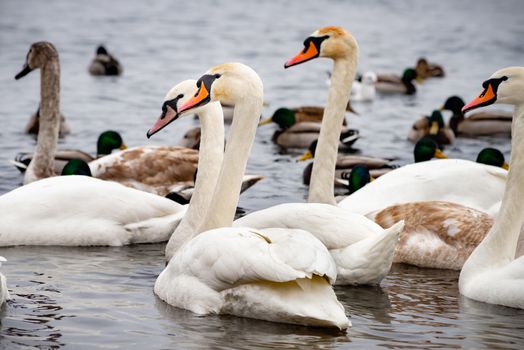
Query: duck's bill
[
  {"x": 265, "y": 121},
  {"x": 303, "y": 56},
  {"x": 434, "y": 128},
  {"x": 486, "y": 98},
  {"x": 440, "y": 155},
  {"x": 26, "y": 70},
  {"x": 505, "y": 166},
  {"x": 123, "y": 146},
  {"x": 199, "y": 99},
  {"x": 305, "y": 156},
  {"x": 165, "y": 119}
]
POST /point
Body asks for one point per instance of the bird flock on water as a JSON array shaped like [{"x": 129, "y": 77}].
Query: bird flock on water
[{"x": 280, "y": 263}]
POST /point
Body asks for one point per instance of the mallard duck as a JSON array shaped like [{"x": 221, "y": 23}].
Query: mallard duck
[
  {"x": 426, "y": 70},
  {"x": 107, "y": 142},
  {"x": 34, "y": 123},
  {"x": 104, "y": 63},
  {"x": 433, "y": 127},
  {"x": 345, "y": 162},
  {"x": 477, "y": 124},
  {"x": 403, "y": 85}
]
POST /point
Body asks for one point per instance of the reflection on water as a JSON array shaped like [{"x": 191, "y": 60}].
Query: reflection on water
[{"x": 103, "y": 297}]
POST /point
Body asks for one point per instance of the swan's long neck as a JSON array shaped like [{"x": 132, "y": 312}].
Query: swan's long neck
[
  {"x": 42, "y": 164},
  {"x": 323, "y": 173},
  {"x": 500, "y": 244},
  {"x": 209, "y": 161},
  {"x": 221, "y": 211}
]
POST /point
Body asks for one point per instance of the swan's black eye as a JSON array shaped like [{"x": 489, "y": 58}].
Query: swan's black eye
[
  {"x": 217, "y": 76},
  {"x": 198, "y": 83}
]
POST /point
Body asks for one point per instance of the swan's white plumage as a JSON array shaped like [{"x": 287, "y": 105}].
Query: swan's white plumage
[
  {"x": 246, "y": 272},
  {"x": 337, "y": 229},
  {"x": 82, "y": 211},
  {"x": 471, "y": 184},
  {"x": 4, "y": 293}
]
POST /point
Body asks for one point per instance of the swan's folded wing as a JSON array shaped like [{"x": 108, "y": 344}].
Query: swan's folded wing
[{"x": 231, "y": 256}]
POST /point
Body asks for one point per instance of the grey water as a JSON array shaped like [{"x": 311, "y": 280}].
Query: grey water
[{"x": 102, "y": 297}]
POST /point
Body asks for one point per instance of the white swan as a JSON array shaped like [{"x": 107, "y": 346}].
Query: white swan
[
  {"x": 84, "y": 211},
  {"x": 465, "y": 182},
  {"x": 365, "y": 90},
  {"x": 4, "y": 293},
  {"x": 275, "y": 274},
  {"x": 492, "y": 274},
  {"x": 362, "y": 250}
]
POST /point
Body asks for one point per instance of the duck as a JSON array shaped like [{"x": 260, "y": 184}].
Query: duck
[
  {"x": 486, "y": 123},
  {"x": 363, "y": 252},
  {"x": 33, "y": 125},
  {"x": 104, "y": 63},
  {"x": 346, "y": 162},
  {"x": 272, "y": 274},
  {"x": 301, "y": 126},
  {"x": 155, "y": 169},
  {"x": 4, "y": 292},
  {"x": 434, "y": 127},
  {"x": 426, "y": 70},
  {"x": 364, "y": 90},
  {"x": 107, "y": 142},
  {"x": 441, "y": 179},
  {"x": 492, "y": 273},
  {"x": 191, "y": 138},
  {"x": 403, "y": 85}
]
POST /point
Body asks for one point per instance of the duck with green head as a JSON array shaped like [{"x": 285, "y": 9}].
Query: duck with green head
[
  {"x": 434, "y": 127},
  {"x": 403, "y": 85},
  {"x": 485, "y": 123},
  {"x": 298, "y": 127},
  {"x": 344, "y": 164}
]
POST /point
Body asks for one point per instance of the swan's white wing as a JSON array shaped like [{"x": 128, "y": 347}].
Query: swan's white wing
[
  {"x": 464, "y": 182},
  {"x": 79, "y": 210},
  {"x": 333, "y": 226}
]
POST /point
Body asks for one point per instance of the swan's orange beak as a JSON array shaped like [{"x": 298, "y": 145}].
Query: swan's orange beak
[
  {"x": 486, "y": 98},
  {"x": 305, "y": 55},
  {"x": 201, "y": 97},
  {"x": 169, "y": 116}
]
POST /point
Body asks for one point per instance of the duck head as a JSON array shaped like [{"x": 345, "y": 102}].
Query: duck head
[
  {"x": 504, "y": 86},
  {"x": 284, "y": 117},
  {"x": 436, "y": 122},
  {"x": 426, "y": 149},
  {"x": 492, "y": 156},
  {"x": 358, "y": 177},
  {"x": 38, "y": 55},
  {"x": 108, "y": 141},
  {"x": 332, "y": 42}
]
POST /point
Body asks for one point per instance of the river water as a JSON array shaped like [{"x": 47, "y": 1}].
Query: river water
[{"x": 102, "y": 297}]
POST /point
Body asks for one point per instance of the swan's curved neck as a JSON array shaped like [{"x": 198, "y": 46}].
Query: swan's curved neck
[
  {"x": 323, "y": 173},
  {"x": 209, "y": 161},
  {"x": 221, "y": 211},
  {"x": 500, "y": 245},
  {"x": 42, "y": 164}
]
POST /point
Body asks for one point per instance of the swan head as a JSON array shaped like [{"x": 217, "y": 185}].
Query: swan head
[
  {"x": 369, "y": 78},
  {"x": 227, "y": 83},
  {"x": 174, "y": 98},
  {"x": 38, "y": 55},
  {"x": 426, "y": 149},
  {"x": 332, "y": 42},
  {"x": 504, "y": 86}
]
